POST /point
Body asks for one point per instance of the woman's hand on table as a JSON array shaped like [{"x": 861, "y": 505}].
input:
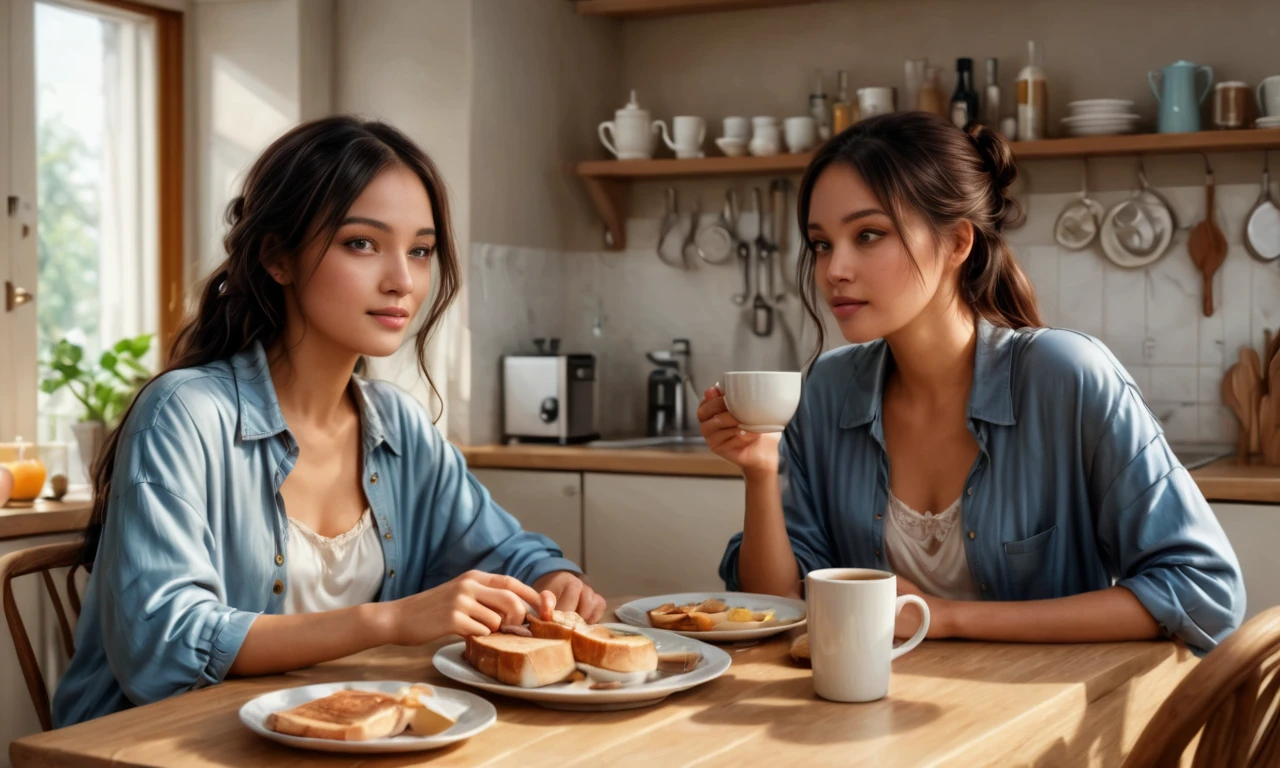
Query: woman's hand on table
[
  {"x": 569, "y": 593},
  {"x": 475, "y": 603},
  {"x": 908, "y": 621}
]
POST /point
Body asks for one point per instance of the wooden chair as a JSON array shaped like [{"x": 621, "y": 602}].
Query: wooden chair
[
  {"x": 40, "y": 559},
  {"x": 1230, "y": 698}
]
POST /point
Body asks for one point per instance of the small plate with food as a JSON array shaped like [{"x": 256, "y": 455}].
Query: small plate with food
[
  {"x": 566, "y": 663},
  {"x": 368, "y": 716},
  {"x": 716, "y": 616}
]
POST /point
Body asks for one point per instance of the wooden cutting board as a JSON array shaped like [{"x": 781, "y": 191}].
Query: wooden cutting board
[{"x": 1208, "y": 247}]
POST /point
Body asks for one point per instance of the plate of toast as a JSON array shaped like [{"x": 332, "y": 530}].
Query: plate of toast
[
  {"x": 565, "y": 663},
  {"x": 716, "y": 617},
  {"x": 368, "y": 716}
]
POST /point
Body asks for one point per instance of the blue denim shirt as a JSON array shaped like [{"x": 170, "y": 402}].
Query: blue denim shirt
[
  {"x": 1074, "y": 488},
  {"x": 194, "y": 545}
]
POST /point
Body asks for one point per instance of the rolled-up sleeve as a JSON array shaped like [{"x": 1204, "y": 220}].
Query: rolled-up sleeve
[
  {"x": 806, "y": 527},
  {"x": 166, "y": 627},
  {"x": 1155, "y": 530},
  {"x": 471, "y": 532}
]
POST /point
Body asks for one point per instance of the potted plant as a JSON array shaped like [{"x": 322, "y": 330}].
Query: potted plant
[{"x": 105, "y": 390}]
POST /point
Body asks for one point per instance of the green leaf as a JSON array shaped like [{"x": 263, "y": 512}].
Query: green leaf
[
  {"x": 108, "y": 361},
  {"x": 123, "y": 346},
  {"x": 69, "y": 371},
  {"x": 49, "y": 386},
  {"x": 141, "y": 344},
  {"x": 74, "y": 353},
  {"x": 136, "y": 366}
]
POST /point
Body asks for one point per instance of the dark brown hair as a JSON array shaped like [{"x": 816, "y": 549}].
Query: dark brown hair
[
  {"x": 915, "y": 161},
  {"x": 294, "y": 196}
]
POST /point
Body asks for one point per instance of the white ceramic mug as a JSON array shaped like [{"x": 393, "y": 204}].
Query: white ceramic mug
[
  {"x": 762, "y": 401},
  {"x": 629, "y": 139},
  {"x": 737, "y": 128},
  {"x": 801, "y": 133},
  {"x": 763, "y": 120},
  {"x": 1269, "y": 97},
  {"x": 689, "y": 132},
  {"x": 875, "y": 101},
  {"x": 851, "y": 616}
]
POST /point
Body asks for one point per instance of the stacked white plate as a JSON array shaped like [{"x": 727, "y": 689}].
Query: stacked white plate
[
  {"x": 1100, "y": 117},
  {"x": 1269, "y": 122}
]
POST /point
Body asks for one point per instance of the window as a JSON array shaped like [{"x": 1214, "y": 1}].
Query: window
[{"x": 104, "y": 105}]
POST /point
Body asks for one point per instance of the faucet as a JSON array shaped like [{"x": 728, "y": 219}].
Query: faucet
[{"x": 680, "y": 358}]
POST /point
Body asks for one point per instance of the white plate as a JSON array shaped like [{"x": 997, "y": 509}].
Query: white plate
[
  {"x": 579, "y": 696},
  {"x": 1092, "y": 106},
  {"x": 478, "y": 716},
  {"x": 1268, "y": 122},
  {"x": 791, "y": 613},
  {"x": 1105, "y": 130},
  {"x": 1100, "y": 119}
]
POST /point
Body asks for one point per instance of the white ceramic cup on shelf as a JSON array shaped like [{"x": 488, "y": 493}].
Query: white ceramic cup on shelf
[
  {"x": 851, "y": 613},
  {"x": 688, "y": 132},
  {"x": 738, "y": 128},
  {"x": 767, "y": 140},
  {"x": 876, "y": 101},
  {"x": 762, "y": 401},
  {"x": 801, "y": 133},
  {"x": 732, "y": 147},
  {"x": 1269, "y": 97}
]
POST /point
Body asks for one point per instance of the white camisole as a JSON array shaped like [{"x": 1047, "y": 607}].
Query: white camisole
[
  {"x": 928, "y": 550},
  {"x": 330, "y": 573}
]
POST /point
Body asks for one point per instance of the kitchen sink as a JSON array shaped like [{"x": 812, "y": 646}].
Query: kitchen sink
[{"x": 665, "y": 443}]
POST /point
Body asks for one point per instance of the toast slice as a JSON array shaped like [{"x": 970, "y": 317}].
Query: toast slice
[
  {"x": 559, "y": 628},
  {"x": 602, "y": 647},
  {"x": 343, "y": 716},
  {"x": 526, "y": 662}
]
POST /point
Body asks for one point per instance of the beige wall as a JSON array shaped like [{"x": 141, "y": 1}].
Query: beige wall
[
  {"x": 408, "y": 62},
  {"x": 543, "y": 77}
]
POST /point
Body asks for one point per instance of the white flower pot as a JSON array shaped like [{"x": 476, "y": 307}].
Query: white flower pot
[{"x": 90, "y": 435}]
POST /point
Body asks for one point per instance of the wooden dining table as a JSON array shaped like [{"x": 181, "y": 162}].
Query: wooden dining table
[{"x": 950, "y": 703}]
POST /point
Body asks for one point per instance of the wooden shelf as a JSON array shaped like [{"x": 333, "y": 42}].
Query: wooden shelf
[
  {"x": 607, "y": 181},
  {"x": 636, "y": 9}
]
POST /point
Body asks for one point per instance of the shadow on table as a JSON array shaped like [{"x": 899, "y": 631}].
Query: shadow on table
[{"x": 790, "y": 711}]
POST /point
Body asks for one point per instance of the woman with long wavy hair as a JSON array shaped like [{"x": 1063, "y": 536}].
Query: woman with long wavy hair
[
  {"x": 1011, "y": 474},
  {"x": 262, "y": 507}
]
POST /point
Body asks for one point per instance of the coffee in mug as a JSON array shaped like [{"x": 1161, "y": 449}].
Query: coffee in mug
[{"x": 851, "y": 616}]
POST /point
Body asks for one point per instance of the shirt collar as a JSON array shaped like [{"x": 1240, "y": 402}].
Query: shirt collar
[
  {"x": 260, "y": 414},
  {"x": 990, "y": 398}
]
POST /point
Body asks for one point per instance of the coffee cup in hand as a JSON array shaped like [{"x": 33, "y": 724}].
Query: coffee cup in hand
[{"x": 762, "y": 401}]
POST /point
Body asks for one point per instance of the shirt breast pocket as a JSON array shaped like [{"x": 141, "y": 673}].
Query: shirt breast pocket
[{"x": 1027, "y": 561}]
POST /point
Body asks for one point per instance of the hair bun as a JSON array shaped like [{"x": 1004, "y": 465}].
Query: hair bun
[{"x": 997, "y": 160}]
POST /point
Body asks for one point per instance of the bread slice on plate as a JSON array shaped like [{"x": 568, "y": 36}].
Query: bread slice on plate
[
  {"x": 525, "y": 662},
  {"x": 343, "y": 716},
  {"x": 599, "y": 646},
  {"x": 559, "y": 628}
]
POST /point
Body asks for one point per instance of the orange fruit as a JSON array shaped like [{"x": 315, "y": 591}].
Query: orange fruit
[{"x": 28, "y": 478}]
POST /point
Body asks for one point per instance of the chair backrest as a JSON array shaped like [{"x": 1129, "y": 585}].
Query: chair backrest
[
  {"x": 1231, "y": 698},
  {"x": 40, "y": 559}
]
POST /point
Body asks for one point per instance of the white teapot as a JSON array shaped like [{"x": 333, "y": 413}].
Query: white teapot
[{"x": 630, "y": 133}]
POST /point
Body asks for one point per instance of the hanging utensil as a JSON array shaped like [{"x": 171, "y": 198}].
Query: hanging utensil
[
  {"x": 715, "y": 244},
  {"x": 1138, "y": 231},
  {"x": 689, "y": 246},
  {"x": 761, "y": 310},
  {"x": 1207, "y": 246},
  {"x": 669, "y": 220},
  {"x": 1078, "y": 224},
  {"x": 1262, "y": 225},
  {"x": 744, "y": 257},
  {"x": 778, "y": 192}
]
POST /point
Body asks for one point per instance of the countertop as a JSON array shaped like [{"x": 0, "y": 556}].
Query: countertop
[
  {"x": 1222, "y": 480},
  {"x": 45, "y": 517}
]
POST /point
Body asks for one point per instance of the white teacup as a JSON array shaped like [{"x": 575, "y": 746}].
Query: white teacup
[
  {"x": 1269, "y": 97},
  {"x": 762, "y": 401},
  {"x": 851, "y": 616},
  {"x": 732, "y": 147},
  {"x": 876, "y": 101},
  {"x": 689, "y": 132},
  {"x": 737, "y": 128},
  {"x": 801, "y": 133}
]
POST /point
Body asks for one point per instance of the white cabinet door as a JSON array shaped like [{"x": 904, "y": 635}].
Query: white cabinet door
[
  {"x": 549, "y": 503},
  {"x": 1254, "y": 533},
  {"x": 652, "y": 534}
]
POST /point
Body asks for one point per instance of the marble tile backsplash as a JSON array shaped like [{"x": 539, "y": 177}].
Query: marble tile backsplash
[{"x": 620, "y": 305}]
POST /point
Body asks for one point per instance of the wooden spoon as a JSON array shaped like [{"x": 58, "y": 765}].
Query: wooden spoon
[
  {"x": 1269, "y": 413},
  {"x": 1207, "y": 246},
  {"x": 1231, "y": 401}
]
